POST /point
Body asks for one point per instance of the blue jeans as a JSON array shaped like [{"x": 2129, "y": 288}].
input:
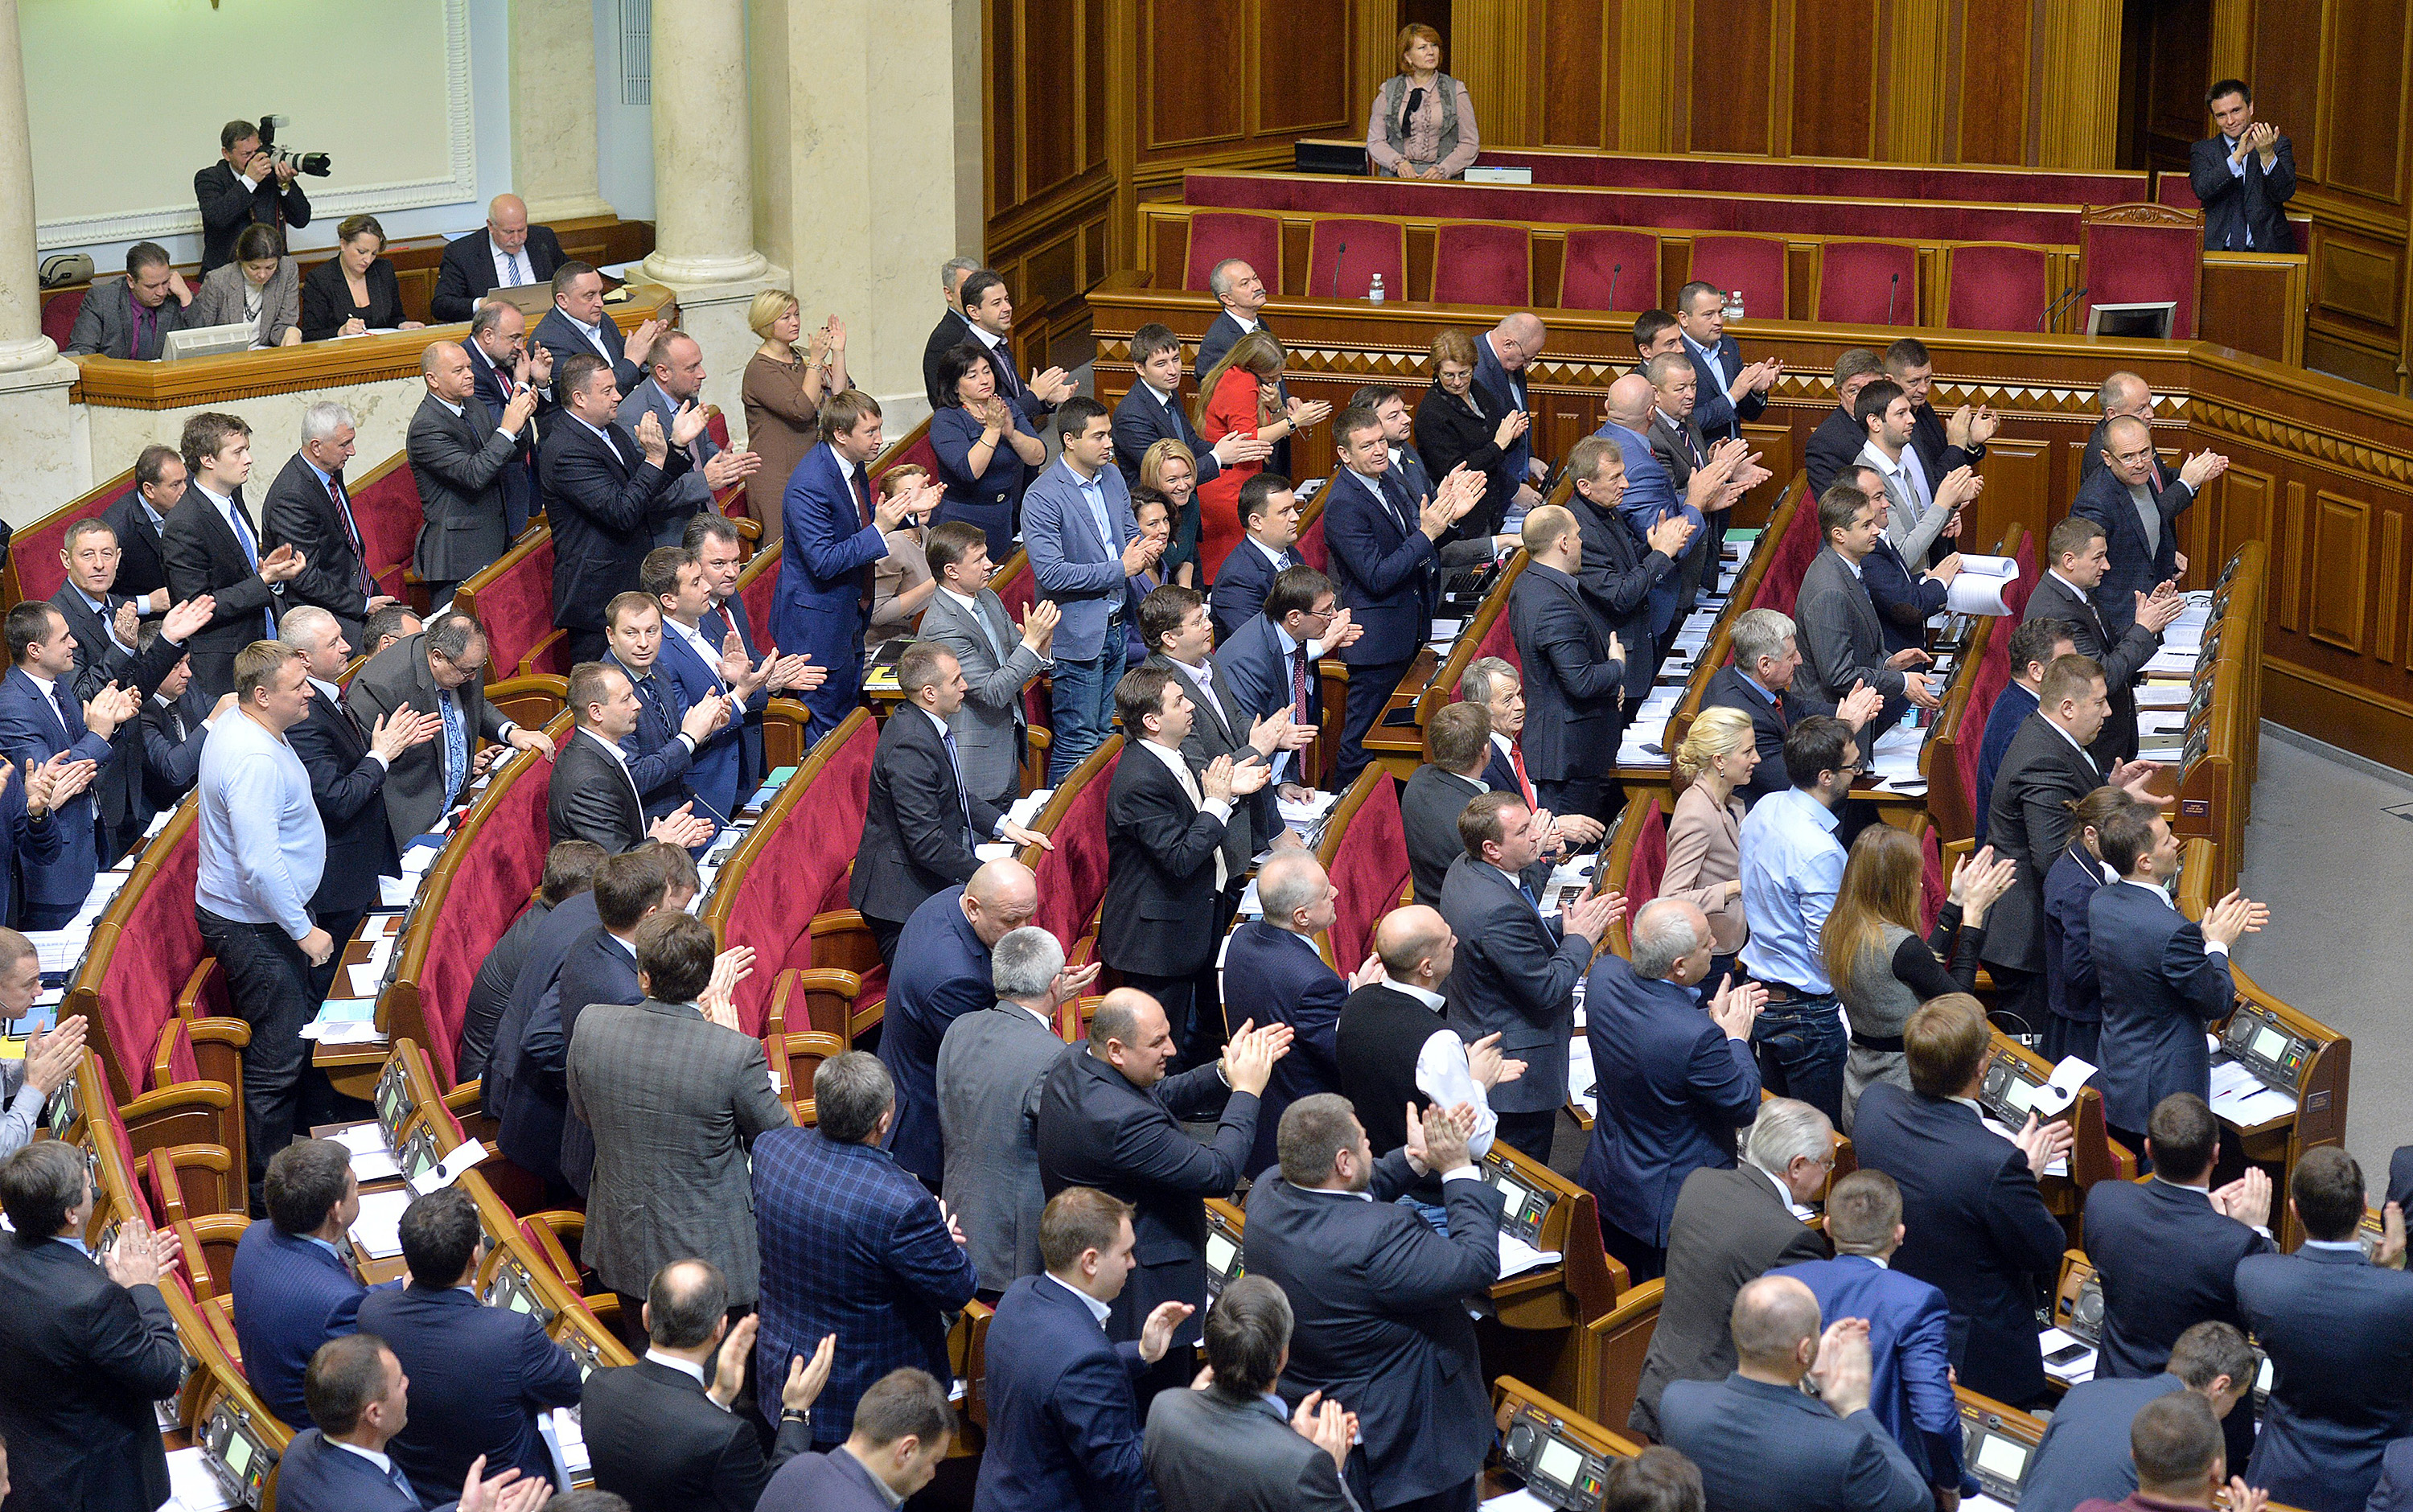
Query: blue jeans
[
  {"x": 1083, "y": 699},
  {"x": 1801, "y": 1047}
]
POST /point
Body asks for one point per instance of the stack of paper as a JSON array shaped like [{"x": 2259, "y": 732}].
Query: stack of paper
[
  {"x": 2073, "y": 1372},
  {"x": 1980, "y": 586},
  {"x": 344, "y": 1021},
  {"x": 191, "y": 1487},
  {"x": 378, "y": 1230},
  {"x": 1518, "y": 1257},
  {"x": 2245, "y": 1099}
]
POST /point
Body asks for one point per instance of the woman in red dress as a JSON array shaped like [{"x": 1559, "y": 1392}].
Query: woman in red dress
[{"x": 1243, "y": 393}]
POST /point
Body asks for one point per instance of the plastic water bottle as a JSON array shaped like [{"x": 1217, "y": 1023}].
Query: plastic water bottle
[
  {"x": 1374, "y": 290},
  {"x": 1734, "y": 305}
]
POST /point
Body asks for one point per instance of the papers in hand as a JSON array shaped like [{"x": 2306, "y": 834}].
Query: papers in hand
[
  {"x": 1518, "y": 1257},
  {"x": 1979, "y": 588}
]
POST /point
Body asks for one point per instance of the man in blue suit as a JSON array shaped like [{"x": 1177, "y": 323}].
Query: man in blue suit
[
  {"x": 501, "y": 364},
  {"x": 293, "y": 1290},
  {"x": 1910, "y": 1382},
  {"x": 1269, "y": 663},
  {"x": 1063, "y": 1409},
  {"x": 360, "y": 1399},
  {"x": 2339, "y": 1331},
  {"x": 600, "y": 968},
  {"x": 2137, "y": 504},
  {"x": 832, "y": 532},
  {"x": 1501, "y": 357},
  {"x": 1270, "y": 527},
  {"x": 1651, "y": 498},
  {"x": 902, "y": 1427},
  {"x": 851, "y": 1246},
  {"x": 1731, "y": 392},
  {"x": 941, "y": 972},
  {"x": 703, "y": 664},
  {"x": 2163, "y": 980},
  {"x": 1077, "y": 528},
  {"x": 1273, "y": 974},
  {"x": 1673, "y": 1086},
  {"x": 2085, "y": 1452},
  {"x": 40, "y": 718},
  {"x": 632, "y": 625},
  {"x": 673, "y": 381},
  {"x": 1575, "y": 671},
  {"x": 578, "y": 323},
  {"x": 486, "y": 1374},
  {"x": 1385, "y": 568},
  {"x": 1764, "y": 1444},
  {"x": 720, "y": 552}
]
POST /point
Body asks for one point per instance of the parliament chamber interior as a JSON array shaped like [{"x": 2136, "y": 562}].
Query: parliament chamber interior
[{"x": 1735, "y": 618}]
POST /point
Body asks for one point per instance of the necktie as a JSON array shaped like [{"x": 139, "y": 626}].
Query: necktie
[
  {"x": 1517, "y": 764},
  {"x": 862, "y": 485},
  {"x": 511, "y": 271},
  {"x": 963, "y": 798},
  {"x": 1298, "y": 686},
  {"x": 352, "y": 534},
  {"x": 250, "y": 554},
  {"x": 1180, "y": 423},
  {"x": 67, "y": 715},
  {"x": 1529, "y": 896},
  {"x": 401, "y": 1482},
  {"x": 457, "y": 748},
  {"x": 1003, "y": 362},
  {"x": 1198, "y": 800}
]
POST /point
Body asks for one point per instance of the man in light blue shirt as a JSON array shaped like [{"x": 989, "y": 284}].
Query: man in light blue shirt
[
  {"x": 262, "y": 850},
  {"x": 1083, "y": 546},
  {"x": 1791, "y": 867}
]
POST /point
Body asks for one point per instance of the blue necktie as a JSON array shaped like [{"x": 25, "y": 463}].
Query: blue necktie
[
  {"x": 401, "y": 1482},
  {"x": 251, "y": 554},
  {"x": 456, "y": 749},
  {"x": 963, "y": 797},
  {"x": 1395, "y": 494},
  {"x": 1529, "y": 896}
]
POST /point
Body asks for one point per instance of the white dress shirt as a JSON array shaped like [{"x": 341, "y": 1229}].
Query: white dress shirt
[{"x": 1444, "y": 1076}]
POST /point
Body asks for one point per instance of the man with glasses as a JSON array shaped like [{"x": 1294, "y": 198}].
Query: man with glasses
[
  {"x": 439, "y": 670},
  {"x": 1792, "y": 866},
  {"x": 2138, "y": 503}
]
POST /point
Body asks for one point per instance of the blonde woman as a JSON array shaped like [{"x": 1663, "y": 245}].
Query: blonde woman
[
  {"x": 1242, "y": 392},
  {"x": 783, "y": 395},
  {"x": 1705, "y": 833},
  {"x": 1171, "y": 469},
  {"x": 1422, "y": 125}
]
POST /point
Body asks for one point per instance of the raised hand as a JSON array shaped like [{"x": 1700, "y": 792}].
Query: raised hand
[
  {"x": 1735, "y": 1005},
  {"x": 2233, "y": 915},
  {"x": 650, "y": 440},
  {"x": 2201, "y": 469},
  {"x": 707, "y": 715},
  {"x": 2247, "y": 1199},
  {"x": 1979, "y": 881},
  {"x": 729, "y": 1366},
  {"x": 1156, "y": 1334},
  {"x": 2158, "y": 610},
  {"x": 726, "y": 467},
  {"x": 1140, "y": 553},
  {"x": 806, "y": 1380},
  {"x": 401, "y": 728},
  {"x": 1248, "y": 1058},
  {"x": 52, "y": 1059},
  {"x": 1324, "y": 1425},
  {"x": 1589, "y": 918},
  {"x": 282, "y": 565},
  {"x": 128, "y": 622},
  {"x": 1368, "y": 972},
  {"x": 1671, "y": 535},
  {"x": 1843, "y": 1370},
  {"x": 517, "y": 409},
  {"x": 683, "y": 828}
]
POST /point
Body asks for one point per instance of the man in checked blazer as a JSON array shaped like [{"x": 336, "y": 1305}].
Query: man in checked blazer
[
  {"x": 458, "y": 449},
  {"x": 673, "y": 1093},
  {"x": 966, "y": 617}
]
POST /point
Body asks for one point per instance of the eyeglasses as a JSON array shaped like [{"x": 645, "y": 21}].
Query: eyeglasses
[{"x": 2130, "y": 459}]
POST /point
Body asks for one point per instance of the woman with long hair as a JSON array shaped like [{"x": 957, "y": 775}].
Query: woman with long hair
[
  {"x": 1242, "y": 393},
  {"x": 1705, "y": 833},
  {"x": 1170, "y": 469},
  {"x": 1882, "y": 970}
]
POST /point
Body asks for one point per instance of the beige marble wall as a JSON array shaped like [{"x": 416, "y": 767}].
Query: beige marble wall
[
  {"x": 553, "y": 108},
  {"x": 381, "y": 412},
  {"x": 47, "y": 462}
]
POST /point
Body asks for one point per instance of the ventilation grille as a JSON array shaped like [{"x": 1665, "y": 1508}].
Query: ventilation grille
[{"x": 636, "y": 51}]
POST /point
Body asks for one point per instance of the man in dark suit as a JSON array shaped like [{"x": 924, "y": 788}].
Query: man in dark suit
[
  {"x": 293, "y": 1289},
  {"x": 941, "y": 973},
  {"x": 2243, "y": 176},
  {"x": 1397, "y": 1055},
  {"x": 595, "y": 792},
  {"x": 176, "y": 723},
  {"x": 1268, "y": 663},
  {"x": 503, "y": 364},
  {"x": 1574, "y": 670},
  {"x": 920, "y": 823},
  {"x": 952, "y": 330},
  {"x": 663, "y": 1433},
  {"x": 600, "y": 968},
  {"x": 86, "y": 1345},
  {"x": 1273, "y": 969},
  {"x": 137, "y": 517},
  {"x": 1836, "y": 1455},
  {"x": 111, "y": 647},
  {"x": 1459, "y": 741},
  {"x": 2137, "y": 504},
  {"x": 1729, "y": 1228},
  {"x": 41, "y": 719},
  {"x": 1731, "y": 392},
  {"x": 460, "y": 452},
  {"x": 1108, "y": 1119},
  {"x": 1243, "y": 294},
  {"x": 1672, "y": 1089},
  {"x": 2338, "y": 1329},
  {"x": 1905, "y": 597},
  {"x": 569, "y": 872},
  {"x": 1063, "y": 1416},
  {"x": 577, "y": 325},
  {"x": 1381, "y": 1295},
  {"x": 1501, "y": 355},
  {"x": 1516, "y": 969},
  {"x": 1676, "y": 441},
  {"x": 1176, "y": 624},
  {"x": 633, "y": 624},
  {"x": 248, "y": 185},
  {"x": 440, "y": 673},
  {"x": 1763, "y": 682},
  {"x": 2038, "y": 641},
  {"x": 1841, "y": 638},
  {"x": 1167, "y": 872},
  {"x": 988, "y": 313},
  {"x": 210, "y": 546},
  {"x": 1152, "y": 412},
  {"x": 309, "y": 507},
  {"x": 1650, "y": 497},
  {"x": 1622, "y": 569},
  {"x": 719, "y": 551},
  {"x": 1230, "y": 1445},
  {"x": 1979, "y": 1231},
  {"x": 348, "y": 773},
  {"x": 1944, "y": 445},
  {"x": 851, "y": 1246},
  {"x": 2163, "y": 979},
  {"x": 2085, "y": 1453},
  {"x": 1840, "y": 435},
  {"x": 1269, "y": 525},
  {"x": 360, "y": 1400},
  {"x": 2120, "y": 394},
  {"x": 2081, "y": 557},
  {"x": 486, "y": 1374},
  {"x": 132, "y": 319},
  {"x": 673, "y": 385},
  {"x": 507, "y": 254},
  {"x": 604, "y": 490},
  {"x": 902, "y": 1427}
]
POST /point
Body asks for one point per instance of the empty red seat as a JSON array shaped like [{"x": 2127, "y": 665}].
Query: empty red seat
[
  {"x": 499, "y": 867},
  {"x": 2124, "y": 262},
  {"x": 513, "y": 600},
  {"x": 1609, "y": 270},
  {"x": 2177, "y": 190},
  {"x": 801, "y": 870},
  {"x": 1073, "y": 876},
  {"x": 1219, "y": 234},
  {"x": 1370, "y": 867},
  {"x": 1752, "y": 265},
  {"x": 1649, "y": 863},
  {"x": 1344, "y": 255},
  {"x": 386, "y": 506},
  {"x": 1311, "y": 549},
  {"x": 1869, "y": 283},
  {"x": 1481, "y": 262},
  {"x": 1995, "y": 287},
  {"x": 59, "y": 312},
  {"x": 1500, "y": 641}
]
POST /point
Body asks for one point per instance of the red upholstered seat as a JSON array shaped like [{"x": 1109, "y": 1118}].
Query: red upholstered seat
[
  {"x": 1343, "y": 256},
  {"x": 1255, "y": 239},
  {"x": 59, "y": 312},
  {"x": 921, "y": 454},
  {"x": 2014, "y": 597},
  {"x": 1499, "y": 639},
  {"x": 1991, "y": 288},
  {"x": 1073, "y": 876},
  {"x": 498, "y": 869},
  {"x": 1650, "y": 861},
  {"x": 2131, "y": 264},
  {"x": 34, "y": 550},
  {"x": 1752, "y": 264},
  {"x": 1609, "y": 270},
  {"x": 756, "y": 594},
  {"x": 1932, "y": 886},
  {"x": 2177, "y": 190},
  {"x": 801, "y": 872},
  {"x": 1370, "y": 867},
  {"x": 386, "y": 508},
  {"x": 515, "y": 605},
  {"x": 155, "y": 952},
  {"x": 110, "y": 1134},
  {"x": 1481, "y": 262},
  {"x": 1869, "y": 283},
  {"x": 1794, "y": 554},
  {"x": 1310, "y": 546}
]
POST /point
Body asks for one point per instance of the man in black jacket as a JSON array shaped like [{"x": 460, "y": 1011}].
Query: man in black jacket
[
  {"x": 1840, "y": 435},
  {"x": 2079, "y": 557},
  {"x": 1152, "y": 412},
  {"x": 1760, "y": 682},
  {"x": 137, "y": 518},
  {"x": 210, "y": 545},
  {"x": 2244, "y": 177},
  {"x": 248, "y": 185},
  {"x": 604, "y": 489},
  {"x": 1943, "y": 445},
  {"x": 508, "y": 253},
  {"x": 569, "y": 871},
  {"x": 309, "y": 506},
  {"x": 595, "y": 792},
  {"x": 176, "y": 723},
  {"x": 1618, "y": 569},
  {"x": 1575, "y": 671}
]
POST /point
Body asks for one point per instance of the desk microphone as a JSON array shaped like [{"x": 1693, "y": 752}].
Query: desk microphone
[
  {"x": 1614, "y": 269},
  {"x": 1894, "y": 288},
  {"x": 1337, "y": 258},
  {"x": 2066, "y": 300}
]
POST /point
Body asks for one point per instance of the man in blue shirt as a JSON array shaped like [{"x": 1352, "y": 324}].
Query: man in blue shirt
[
  {"x": 1791, "y": 867},
  {"x": 2035, "y": 645},
  {"x": 1077, "y": 528}
]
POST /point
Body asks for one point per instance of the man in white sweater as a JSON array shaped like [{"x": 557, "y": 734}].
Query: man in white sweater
[{"x": 262, "y": 848}]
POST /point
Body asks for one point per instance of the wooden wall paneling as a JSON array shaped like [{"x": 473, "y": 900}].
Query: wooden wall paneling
[
  {"x": 1376, "y": 24},
  {"x": 1050, "y": 131},
  {"x": 1911, "y": 101},
  {"x": 2288, "y": 563},
  {"x": 1418, "y": 282},
  {"x": 1803, "y": 260},
  {"x": 1649, "y": 33},
  {"x": 1990, "y": 94},
  {"x": 1777, "y": 453},
  {"x": 2392, "y": 582},
  {"x": 2363, "y": 98},
  {"x": 2341, "y": 569},
  {"x": 1549, "y": 266},
  {"x": 1491, "y": 40},
  {"x": 2285, "y": 67},
  {"x": 2018, "y": 473},
  {"x": 1096, "y": 44},
  {"x": 1301, "y": 57},
  {"x": 2082, "y": 83},
  {"x": 1181, "y": 44},
  {"x": 1732, "y": 46},
  {"x": 2255, "y": 302},
  {"x": 2179, "y": 51},
  {"x": 2245, "y": 506},
  {"x": 1834, "y": 80},
  {"x": 1580, "y": 74},
  {"x": 1295, "y": 235}
]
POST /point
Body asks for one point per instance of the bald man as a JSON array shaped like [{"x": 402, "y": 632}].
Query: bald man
[
  {"x": 1651, "y": 494},
  {"x": 941, "y": 973},
  {"x": 1273, "y": 972},
  {"x": 1501, "y": 355},
  {"x": 1393, "y": 1047},
  {"x": 674, "y": 382},
  {"x": 458, "y": 450},
  {"x": 2119, "y": 394},
  {"x": 506, "y": 253},
  {"x": 2138, "y": 503},
  {"x": 1835, "y": 1455}
]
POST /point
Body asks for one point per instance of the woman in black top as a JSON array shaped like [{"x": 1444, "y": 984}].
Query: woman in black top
[
  {"x": 1456, "y": 423},
  {"x": 353, "y": 292}
]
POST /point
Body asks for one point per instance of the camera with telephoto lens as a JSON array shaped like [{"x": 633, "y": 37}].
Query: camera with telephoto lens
[{"x": 316, "y": 165}]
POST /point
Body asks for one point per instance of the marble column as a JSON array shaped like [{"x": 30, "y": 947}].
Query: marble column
[
  {"x": 49, "y": 461},
  {"x": 553, "y": 110}
]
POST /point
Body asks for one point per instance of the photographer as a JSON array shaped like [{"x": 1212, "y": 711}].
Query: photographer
[{"x": 248, "y": 184}]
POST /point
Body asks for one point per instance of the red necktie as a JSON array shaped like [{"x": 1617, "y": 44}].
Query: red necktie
[
  {"x": 351, "y": 533},
  {"x": 1298, "y": 687},
  {"x": 1516, "y": 764}
]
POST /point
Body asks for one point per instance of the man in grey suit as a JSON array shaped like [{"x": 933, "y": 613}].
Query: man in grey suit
[
  {"x": 1230, "y": 1446},
  {"x": 675, "y": 1094},
  {"x": 1841, "y": 641},
  {"x": 441, "y": 671},
  {"x": 2079, "y": 555},
  {"x": 457, "y": 451},
  {"x": 991, "y": 1065},
  {"x": 132, "y": 319},
  {"x": 674, "y": 380},
  {"x": 966, "y": 617}
]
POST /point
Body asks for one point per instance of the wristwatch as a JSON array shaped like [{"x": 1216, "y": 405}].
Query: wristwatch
[{"x": 796, "y": 1414}]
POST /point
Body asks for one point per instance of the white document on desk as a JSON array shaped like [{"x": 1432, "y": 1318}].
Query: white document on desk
[
  {"x": 2243, "y": 1098},
  {"x": 192, "y": 1488},
  {"x": 378, "y": 1228},
  {"x": 2078, "y": 1370},
  {"x": 1519, "y": 1500},
  {"x": 1518, "y": 1257},
  {"x": 2059, "y": 1165}
]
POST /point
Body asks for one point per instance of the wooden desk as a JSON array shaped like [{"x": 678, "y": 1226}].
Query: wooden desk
[
  {"x": 2276, "y": 1039},
  {"x": 1538, "y": 1327},
  {"x": 1554, "y": 1452}
]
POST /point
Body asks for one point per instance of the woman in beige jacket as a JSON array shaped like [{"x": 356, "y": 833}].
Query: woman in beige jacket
[{"x": 1705, "y": 833}]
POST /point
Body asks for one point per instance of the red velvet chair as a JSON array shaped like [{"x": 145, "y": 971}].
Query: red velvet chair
[
  {"x": 1481, "y": 262},
  {"x": 386, "y": 506},
  {"x": 1995, "y": 287},
  {"x": 2014, "y": 597},
  {"x": 1952, "y": 796},
  {"x": 1869, "y": 283},
  {"x": 32, "y": 569},
  {"x": 1934, "y": 886},
  {"x": 1343, "y": 256},
  {"x": 1501, "y": 641},
  {"x": 1017, "y": 589},
  {"x": 513, "y": 599},
  {"x": 59, "y": 312},
  {"x": 1365, "y": 852},
  {"x": 1649, "y": 863},
  {"x": 1213, "y": 237},
  {"x": 2176, "y": 189},
  {"x": 917, "y": 451},
  {"x": 1752, "y": 264},
  {"x": 1073, "y": 876},
  {"x": 1311, "y": 547},
  {"x": 2142, "y": 253},
  {"x": 1609, "y": 270}
]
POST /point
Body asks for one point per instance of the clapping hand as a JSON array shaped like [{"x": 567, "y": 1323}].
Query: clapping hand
[
  {"x": 1488, "y": 1065},
  {"x": 650, "y": 438},
  {"x": 1859, "y": 707},
  {"x": 1140, "y": 554},
  {"x": 805, "y": 1381},
  {"x": 729, "y": 1366},
  {"x": 1589, "y": 918},
  {"x": 128, "y": 622},
  {"x": 1248, "y": 1058},
  {"x": 2247, "y": 1199},
  {"x": 2132, "y": 776},
  {"x": 1735, "y": 1005},
  {"x": 2044, "y": 1143},
  {"x": 729, "y": 967},
  {"x": 1978, "y": 880},
  {"x": 1304, "y": 413},
  {"x": 142, "y": 1254},
  {"x": 726, "y": 467},
  {"x": 1843, "y": 1369},
  {"x": 401, "y": 728},
  {"x": 1338, "y": 632},
  {"x": 2233, "y": 915},
  {"x": 688, "y": 423},
  {"x": 1156, "y": 1334},
  {"x": 2201, "y": 469},
  {"x": 282, "y": 565},
  {"x": 51, "y": 1059},
  {"x": 683, "y": 828},
  {"x": 1324, "y": 1425},
  {"x": 2158, "y": 610},
  {"x": 510, "y": 1492},
  {"x": 1368, "y": 972}
]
